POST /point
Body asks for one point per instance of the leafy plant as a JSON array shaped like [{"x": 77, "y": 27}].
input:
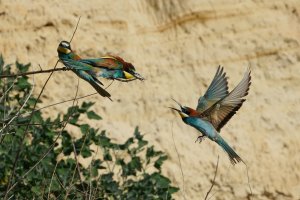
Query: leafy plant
[{"x": 40, "y": 158}]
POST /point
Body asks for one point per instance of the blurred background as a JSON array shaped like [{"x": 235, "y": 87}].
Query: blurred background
[{"x": 177, "y": 46}]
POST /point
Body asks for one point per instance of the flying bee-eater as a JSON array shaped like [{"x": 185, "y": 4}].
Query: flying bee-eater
[{"x": 209, "y": 118}]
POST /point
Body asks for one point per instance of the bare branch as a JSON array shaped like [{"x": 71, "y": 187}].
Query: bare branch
[
  {"x": 214, "y": 180},
  {"x": 34, "y": 72}
]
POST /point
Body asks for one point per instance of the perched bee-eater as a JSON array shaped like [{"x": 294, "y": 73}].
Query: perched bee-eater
[
  {"x": 110, "y": 67},
  {"x": 84, "y": 71},
  {"x": 215, "y": 109},
  {"x": 113, "y": 67}
]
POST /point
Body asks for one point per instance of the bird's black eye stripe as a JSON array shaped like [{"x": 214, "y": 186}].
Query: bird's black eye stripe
[{"x": 184, "y": 109}]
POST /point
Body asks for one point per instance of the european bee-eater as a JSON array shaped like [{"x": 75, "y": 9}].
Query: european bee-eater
[
  {"x": 216, "y": 108},
  {"x": 113, "y": 67},
  {"x": 109, "y": 67},
  {"x": 83, "y": 70}
]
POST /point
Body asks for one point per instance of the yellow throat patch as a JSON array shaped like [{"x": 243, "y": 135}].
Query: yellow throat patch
[
  {"x": 63, "y": 50},
  {"x": 127, "y": 75}
]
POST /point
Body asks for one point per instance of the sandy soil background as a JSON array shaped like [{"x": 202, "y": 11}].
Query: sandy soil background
[{"x": 177, "y": 45}]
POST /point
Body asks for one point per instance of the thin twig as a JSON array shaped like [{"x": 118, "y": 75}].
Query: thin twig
[
  {"x": 34, "y": 72},
  {"x": 40, "y": 67},
  {"x": 49, "y": 191},
  {"x": 214, "y": 180},
  {"x": 182, "y": 175},
  {"x": 75, "y": 29},
  {"x": 90, "y": 179},
  {"x": 2, "y": 136},
  {"x": 61, "y": 102},
  {"x": 71, "y": 185},
  {"x": 18, "y": 113},
  {"x": 248, "y": 179},
  {"x": 75, "y": 154},
  {"x": 7, "y": 90}
]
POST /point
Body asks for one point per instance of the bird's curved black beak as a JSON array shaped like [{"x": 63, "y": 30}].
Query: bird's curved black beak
[
  {"x": 175, "y": 109},
  {"x": 138, "y": 76},
  {"x": 180, "y": 112},
  {"x": 177, "y": 103}
]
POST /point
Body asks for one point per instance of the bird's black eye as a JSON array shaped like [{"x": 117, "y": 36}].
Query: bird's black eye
[
  {"x": 185, "y": 110},
  {"x": 130, "y": 68}
]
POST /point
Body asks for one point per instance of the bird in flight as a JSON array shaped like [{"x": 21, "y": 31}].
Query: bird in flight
[{"x": 215, "y": 108}]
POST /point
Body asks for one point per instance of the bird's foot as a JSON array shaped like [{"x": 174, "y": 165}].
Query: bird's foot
[{"x": 200, "y": 138}]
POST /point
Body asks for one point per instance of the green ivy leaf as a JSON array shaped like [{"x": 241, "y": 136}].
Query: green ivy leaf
[
  {"x": 160, "y": 161},
  {"x": 127, "y": 144},
  {"x": 97, "y": 163},
  {"x": 22, "y": 83},
  {"x": 85, "y": 106},
  {"x": 172, "y": 190},
  {"x": 84, "y": 128},
  {"x": 135, "y": 164},
  {"x": 86, "y": 152},
  {"x": 22, "y": 68},
  {"x": 1, "y": 63},
  {"x": 160, "y": 181},
  {"x": 107, "y": 155},
  {"x": 93, "y": 115},
  {"x": 103, "y": 141}
]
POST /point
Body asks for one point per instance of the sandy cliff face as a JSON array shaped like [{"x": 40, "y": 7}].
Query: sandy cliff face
[{"x": 177, "y": 46}]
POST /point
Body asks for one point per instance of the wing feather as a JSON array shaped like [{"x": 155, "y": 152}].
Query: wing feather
[
  {"x": 222, "y": 111},
  {"x": 217, "y": 90},
  {"x": 108, "y": 62}
]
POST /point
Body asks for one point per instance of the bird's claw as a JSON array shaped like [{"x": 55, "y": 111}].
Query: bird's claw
[{"x": 200, "y": 138}]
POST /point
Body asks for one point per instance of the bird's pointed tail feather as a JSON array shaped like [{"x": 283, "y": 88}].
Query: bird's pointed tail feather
[
  {"x": 100, "y": 90},
  {"x": 233, "y": 157}
]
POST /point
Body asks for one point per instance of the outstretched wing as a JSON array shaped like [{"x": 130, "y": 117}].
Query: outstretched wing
[
  {"x": 108, "y": 62},
  {"x": 222, "y": 111},
  {"x": 217, "y": 90}
]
